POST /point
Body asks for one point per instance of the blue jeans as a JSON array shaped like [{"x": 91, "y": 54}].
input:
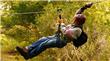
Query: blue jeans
[{"x": 44, "y": 43}]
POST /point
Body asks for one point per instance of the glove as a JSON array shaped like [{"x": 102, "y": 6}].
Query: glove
[
  {"x": 60, "y": 21},
  {"x": 88, "y": 5}
]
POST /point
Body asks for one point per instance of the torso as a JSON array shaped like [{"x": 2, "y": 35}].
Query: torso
[{"x": 72, "y": 32}]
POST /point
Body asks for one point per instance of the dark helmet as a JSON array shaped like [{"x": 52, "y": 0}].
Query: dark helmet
[{"x": 79, "y": 19}]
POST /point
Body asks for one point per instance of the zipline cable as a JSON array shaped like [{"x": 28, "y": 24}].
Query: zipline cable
[{"x": 22, "y": 13}]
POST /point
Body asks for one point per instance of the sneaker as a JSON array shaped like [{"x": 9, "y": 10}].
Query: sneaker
[{"x": 23, "y": 52}]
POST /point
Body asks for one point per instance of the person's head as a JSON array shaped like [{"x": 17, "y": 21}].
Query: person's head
[{"x": 79, "y": 19}]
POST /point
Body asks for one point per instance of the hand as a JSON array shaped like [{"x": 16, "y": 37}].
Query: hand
[
  {"x": 88, "y": 5},
  {"x": 60, "y": 21}
]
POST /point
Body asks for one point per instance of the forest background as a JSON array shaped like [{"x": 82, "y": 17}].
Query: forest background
[{"x": 24, "y": 22}]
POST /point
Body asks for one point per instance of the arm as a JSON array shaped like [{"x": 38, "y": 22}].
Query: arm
[{"x": 79, "y": 11}]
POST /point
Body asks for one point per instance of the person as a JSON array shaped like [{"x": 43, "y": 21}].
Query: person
[{"x": 70, "y": 33}]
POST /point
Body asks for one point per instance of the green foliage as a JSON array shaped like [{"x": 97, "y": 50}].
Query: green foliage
[
  {"x": 23, "y": 29},
  {"x": 22, "y": 7}
]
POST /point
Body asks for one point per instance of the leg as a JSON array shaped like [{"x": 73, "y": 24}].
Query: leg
[
  {"x": 48, "y": 43},
  {"x": 35, "y": 44},
  {"x": 41, "y": 45},
  {"x": 25, "y": 51},
  {"x": 32, "y": 46}
]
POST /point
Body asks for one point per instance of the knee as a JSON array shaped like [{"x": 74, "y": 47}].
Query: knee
[{"x": 42, "y": 38}]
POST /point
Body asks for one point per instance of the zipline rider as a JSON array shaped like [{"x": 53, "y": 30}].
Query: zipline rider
[{"x": 71, "y": 33}]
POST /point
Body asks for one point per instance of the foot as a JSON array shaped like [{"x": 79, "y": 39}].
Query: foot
[{"x": 23, "y": 52}]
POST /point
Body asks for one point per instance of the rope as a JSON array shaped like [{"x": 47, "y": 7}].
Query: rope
[
  {"x": 26, "y": 13},
  {"x": 22, "y": 13}
]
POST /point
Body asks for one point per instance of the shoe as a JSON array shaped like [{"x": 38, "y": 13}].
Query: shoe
[{"x": 23, "y": 52}]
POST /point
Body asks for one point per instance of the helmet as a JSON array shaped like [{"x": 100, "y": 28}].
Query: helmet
[{"x": 79, "y": 19}]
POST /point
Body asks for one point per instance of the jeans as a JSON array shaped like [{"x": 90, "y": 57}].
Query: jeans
[{"x": 44, "y": 43}]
